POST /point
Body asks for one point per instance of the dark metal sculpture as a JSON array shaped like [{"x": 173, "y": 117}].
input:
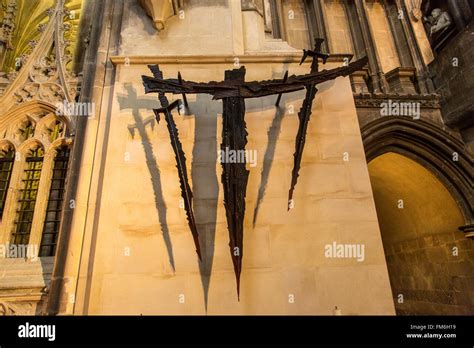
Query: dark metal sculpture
[
  {"x": 234, "y": 175},
  {"x": 254, "y": 89},
  {"x": 233, "y": 91},
  {"x": 186, "y": 192},
  {"x": 185, "y": 100},
  {"x": 305, "y": 114},
  {"x": 277, "y": 103}
]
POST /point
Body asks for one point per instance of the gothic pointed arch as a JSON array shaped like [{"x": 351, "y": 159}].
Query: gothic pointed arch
[
  {"x": 443, "y": 154},
  {"x": 35, "y": 131}
]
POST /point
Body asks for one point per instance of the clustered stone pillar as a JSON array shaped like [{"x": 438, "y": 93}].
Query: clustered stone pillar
[
  {"x": 425, "y": 84},
  {"x": 316, "y": 23},
  {"x": 379, "y": 82}
]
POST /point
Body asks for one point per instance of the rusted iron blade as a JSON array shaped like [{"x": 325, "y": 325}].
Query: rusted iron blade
[
  {"x": 304, "y": 117},
  {"x": 185, "y": 100},
  {"x": 255, "y": 89},
  {"x": 186, "y": 192},
  {"x": 234, "y": 175},
  {"x": 277, "y": 104}
]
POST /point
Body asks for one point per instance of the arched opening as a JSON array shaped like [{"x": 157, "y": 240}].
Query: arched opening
[
  {"x": 430, "y": 262},
  {"x": 29, "y": 186},
  {"x": 441, "y": 153},
  {"x": 7, "y": 158}
]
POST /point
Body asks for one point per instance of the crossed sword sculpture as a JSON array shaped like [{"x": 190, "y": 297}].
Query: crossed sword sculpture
[{"x": 233, "y": 91}]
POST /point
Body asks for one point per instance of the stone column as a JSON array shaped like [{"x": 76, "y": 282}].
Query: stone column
[
  {"x": 425, "y": 84},
  {"x": 253, "y": 24},
  {"x": 63, "y": 296},
  {"x": 356, "y": 31},
  {"x": 376, "y": 73},
  {"x": 316, "y": 23},
  {"x": 395, "y": 21}
]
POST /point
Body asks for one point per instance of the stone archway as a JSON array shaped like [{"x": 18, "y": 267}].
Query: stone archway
[
  {"x": 430, "y": 262},
  {"x": 426, "y": 143},
  {"x": 424, "y": 203}
]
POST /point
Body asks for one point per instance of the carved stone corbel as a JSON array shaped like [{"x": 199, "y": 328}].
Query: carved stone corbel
[{"x": 161, "y": 10}]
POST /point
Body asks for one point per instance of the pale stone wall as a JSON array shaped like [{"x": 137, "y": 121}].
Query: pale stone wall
[
  {"x": 338, "y": 31},
  {"x": 430, "y": 261},
  {"x": 135, "y": 233},
  {"x": 203, "y": 27},
  {"x": 296, "y": 27},
  {"x": 283, "y": 253},
  {"x": 421, "y": 37},
  {"x": 382, "y": 35}
]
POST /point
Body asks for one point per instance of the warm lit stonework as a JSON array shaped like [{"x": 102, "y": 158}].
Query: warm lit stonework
[{"x": 382, "y": 217}]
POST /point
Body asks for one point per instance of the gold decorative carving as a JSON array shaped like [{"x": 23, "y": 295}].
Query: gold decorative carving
[
  {"x": 18, "y": 308},
  {"x": 7, "y": 25},
  {"x": 43, "y": 75}
]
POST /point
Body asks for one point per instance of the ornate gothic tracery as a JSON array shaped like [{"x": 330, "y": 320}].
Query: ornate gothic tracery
[{"x": 31, "y": 146}]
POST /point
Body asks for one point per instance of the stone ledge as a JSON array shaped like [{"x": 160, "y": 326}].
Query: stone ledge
[
  {"x": 401, "y": 80},
  {"x": 371, "y": 100},
  {"x": 20, "y": 275},
  {"x": 274, "y": 57}
]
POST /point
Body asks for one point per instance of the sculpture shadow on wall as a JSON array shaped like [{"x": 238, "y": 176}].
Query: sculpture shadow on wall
[
  {"x": 203, "y": 171},
  {"x": 254, "y": 105},
  {"x": 294, "y": 99},
  {"x": 204, "y": 180},
  {"x": 131, "y": 101}
]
